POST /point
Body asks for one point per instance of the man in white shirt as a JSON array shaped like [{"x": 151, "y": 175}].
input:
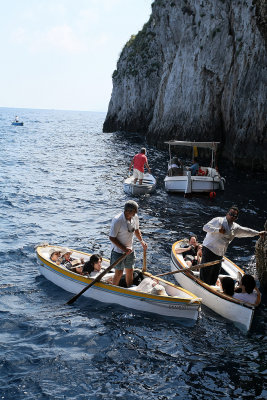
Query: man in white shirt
[
  {"x": 220, "y": 232},
  {"x": 123, "y": 227}
]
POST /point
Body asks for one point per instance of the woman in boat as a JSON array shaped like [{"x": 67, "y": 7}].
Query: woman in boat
[
  {"x": 93, "y": 268},
  {"x": 199, "y": 254},
  {"x": 189, "y": 251},
  {"x": 245, "y": 290},
  {"x": 151, "y": 286},
  {"x": 227, "y": 285},
  {"x": 74, "y": 265},
  {"x": 54, "y": 256}
]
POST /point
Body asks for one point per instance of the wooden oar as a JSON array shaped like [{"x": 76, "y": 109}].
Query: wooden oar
[
  {"x": 194, "y": 268},
  {"x": 97, "y": 279},
  {"x": 144, "y": 261}
]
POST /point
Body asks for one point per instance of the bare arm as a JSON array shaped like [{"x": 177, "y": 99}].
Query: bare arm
[
  {"x": 131, "y": 165},
  {"x": 148, "y": 168},
  {"x": 139, "y": 237},
  {"x": 181, "y": 250}
]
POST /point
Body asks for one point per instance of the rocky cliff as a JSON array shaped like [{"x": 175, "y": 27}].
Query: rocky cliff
[
  {"x": 197, "y": 71},
  {"x": 261, "y": 260}
]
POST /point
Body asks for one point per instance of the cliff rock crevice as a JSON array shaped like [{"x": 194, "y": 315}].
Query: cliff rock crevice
[{"x": 261, "y": 260}]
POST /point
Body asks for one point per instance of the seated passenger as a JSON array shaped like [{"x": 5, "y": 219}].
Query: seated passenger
[
  {"x": 54, "y": 256},
  {"x": 74, "y": 265},
  {"x": 189, "y": 251},
  {"x": 93, "y": 268},
  {"x": 194, "y": 168},
  {"x": 175, "y": 167},
  {"x": 199, "y": 253},
  {"x": 151, "y": 286},
  {"x": 228, "y": 285},
  {"x": 245, "y": 290}
]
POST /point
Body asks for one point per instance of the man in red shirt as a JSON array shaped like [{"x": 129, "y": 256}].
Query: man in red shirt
[{"x": 138, "y": 162}]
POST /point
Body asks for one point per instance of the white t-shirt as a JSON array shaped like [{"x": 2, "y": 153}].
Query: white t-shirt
[
  {"x": 247, "y": 297},
  {"x": 218, "y": 242},
  {"x": 105, "y": 278},
  {"x": 123, "y": 230}
]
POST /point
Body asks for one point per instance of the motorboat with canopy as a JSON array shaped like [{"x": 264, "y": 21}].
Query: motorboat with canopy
[{"x": 181, "y": 180}]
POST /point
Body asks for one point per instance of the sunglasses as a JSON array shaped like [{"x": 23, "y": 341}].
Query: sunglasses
[
  {"x": 233, "y": 215},
  {"x": 130, "y": 227}
]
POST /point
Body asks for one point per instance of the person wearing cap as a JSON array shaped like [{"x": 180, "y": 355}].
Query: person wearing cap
[
  {"x": 123, "y": 227},
  {"x": 72, "y": 264},
  {"x": 220, "y": 233},
  {"x": 139, "y": 162},
  {"x": 54, "y": 256}
]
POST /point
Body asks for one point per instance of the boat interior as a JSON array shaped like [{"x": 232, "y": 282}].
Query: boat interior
[
  {"x": 162, "y": 288},
  {"x": 203, "y": 171}
]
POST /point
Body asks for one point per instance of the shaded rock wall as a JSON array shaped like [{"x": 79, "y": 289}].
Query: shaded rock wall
[
  {"x": 261, "y": 260},
  {"x": 197, "y": 71}
]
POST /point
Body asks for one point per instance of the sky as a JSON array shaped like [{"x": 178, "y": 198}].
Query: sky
[{"x": 60, "y": 54}]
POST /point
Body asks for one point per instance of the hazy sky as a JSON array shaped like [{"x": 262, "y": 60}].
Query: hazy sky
[{"x": 60, "y": 54}]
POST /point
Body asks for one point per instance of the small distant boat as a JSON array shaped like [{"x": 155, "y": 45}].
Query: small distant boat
[
  {"x": 207, "y": 180},
  {"x": 16, "y": 123},
  {"x": 178, "y": 303},
  {"x": 237, "y": 311},
  {"x": 148, "y": 186}
]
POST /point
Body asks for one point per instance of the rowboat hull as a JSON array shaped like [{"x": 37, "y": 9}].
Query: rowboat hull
[
  {"x": 148, "y": 186},
  {"x": 179, "y": 304},
  {"x": 17, "y": 123},
  {"x": 194, "y": 184},
  {"x": 240, "y": 313}
]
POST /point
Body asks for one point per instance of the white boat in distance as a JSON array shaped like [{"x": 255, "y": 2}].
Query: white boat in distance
[
  {"x": 148, "y": 186},
  {"x": 179, "y": 303},
  {"x": 237, "y": 311},
  {"x": 207, "y": 180}
]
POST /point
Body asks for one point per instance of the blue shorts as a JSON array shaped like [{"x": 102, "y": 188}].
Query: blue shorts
[{"x": 128, "y": 262}]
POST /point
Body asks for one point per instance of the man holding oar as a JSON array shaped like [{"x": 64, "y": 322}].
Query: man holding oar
[
  {"x": 123, "y": 227},
  {"x": 220, "y": 232}
]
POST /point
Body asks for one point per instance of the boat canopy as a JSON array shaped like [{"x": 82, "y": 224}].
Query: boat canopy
[{"x": 207, "y": 145}]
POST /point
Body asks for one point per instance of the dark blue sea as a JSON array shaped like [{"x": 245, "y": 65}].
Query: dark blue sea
[{"x": 61, "y": 183}]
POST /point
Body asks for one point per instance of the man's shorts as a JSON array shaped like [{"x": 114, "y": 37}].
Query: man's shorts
[
  {"x": 128, "y": 262},
  {"x": 138, "y": 174}
]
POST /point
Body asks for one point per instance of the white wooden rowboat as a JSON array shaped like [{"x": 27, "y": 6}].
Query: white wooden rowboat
[
  {"x": 148, "y": 186},
  {"x": 179, "y": 303},
  {"x": 239, "y": 312},
  {"x": 208, "y": 180}
]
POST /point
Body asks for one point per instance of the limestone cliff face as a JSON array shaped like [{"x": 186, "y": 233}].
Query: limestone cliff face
[
  {"x": 261, "y": 260},
  {"x": 197, "y": 71}
]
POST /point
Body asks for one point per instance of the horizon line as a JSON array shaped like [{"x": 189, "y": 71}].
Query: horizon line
[{"x": 49, "y": 109}]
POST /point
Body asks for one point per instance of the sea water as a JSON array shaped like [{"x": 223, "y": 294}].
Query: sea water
[{"x": 62, "y": 183}]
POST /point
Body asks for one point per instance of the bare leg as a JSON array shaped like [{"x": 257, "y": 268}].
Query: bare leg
[
  {"x": 129, "y": 276},
  {"x": 135, "y": 180},
  {"x": 140, "y": 181},
  {"x": 117, "y": 277}
]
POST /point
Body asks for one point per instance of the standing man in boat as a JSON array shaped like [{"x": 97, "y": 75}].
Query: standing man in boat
[
  {"x": 220, "y": 232},
  {"x": 123, "y": 227},
  {"x": 138, "y": 162}
]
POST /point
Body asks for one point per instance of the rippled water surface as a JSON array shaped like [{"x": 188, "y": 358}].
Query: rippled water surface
[{"x": 61, "y": 182}]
